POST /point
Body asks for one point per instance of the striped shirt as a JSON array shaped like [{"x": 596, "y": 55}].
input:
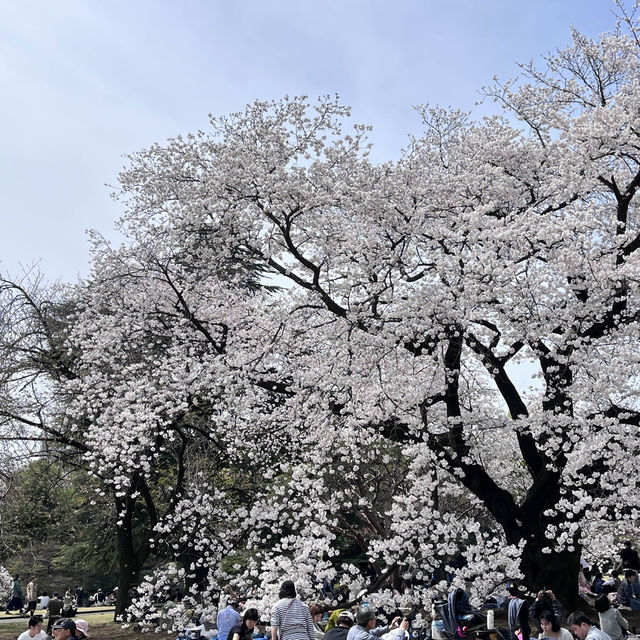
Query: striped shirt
[{"x": 292, "y": 620}]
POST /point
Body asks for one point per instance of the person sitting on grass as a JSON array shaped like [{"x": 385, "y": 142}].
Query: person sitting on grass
[
  {"x": 550, "y": 627},
  {"x": 82, "y": 629},
  {"x": 344, "y": 622},
  {"x": 64, "y": 629},
  {"x": 365, "y": 627},
  {"x": 611, "y": 620},
  {"x": 317, "y": 613},
  {"x": 583, "y": 628},
  {"x": 545, "y": 601},
  {"x": 34, "y": 632},
  {"x": 244, "y": 630},
  {"x": 626, "y": 596}
]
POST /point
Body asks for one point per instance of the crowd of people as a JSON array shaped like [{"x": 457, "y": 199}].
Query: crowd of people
[
  {"x": 59, "y": 611},
  {"x": 292, "y": 619},
  {"x": 547, "y": 615},
  {"x": 26, "y": 602},
  {"x": 621, "y": 585},
  {"x": 60, "y": 629}
]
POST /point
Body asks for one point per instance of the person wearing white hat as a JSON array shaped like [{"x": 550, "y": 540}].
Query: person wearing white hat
[
  {"x": 345, "y": 621},
  {"x": 82, "y": 629}
]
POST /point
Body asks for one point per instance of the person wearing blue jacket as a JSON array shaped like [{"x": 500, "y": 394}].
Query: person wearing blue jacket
[{"x": 365, "y": 628}]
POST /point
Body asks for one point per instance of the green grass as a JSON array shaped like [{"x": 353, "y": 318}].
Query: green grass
[
  {"x": 98, "y": 619},
  {"x": 16, "y": 627}
]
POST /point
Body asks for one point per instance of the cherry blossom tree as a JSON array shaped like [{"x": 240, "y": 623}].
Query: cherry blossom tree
[
  {"x": 47, "y": 406},
  {"x": 5, "y": 584},
  {"x": 415, "y": 293},
  {"x": 374, "y": 392}
]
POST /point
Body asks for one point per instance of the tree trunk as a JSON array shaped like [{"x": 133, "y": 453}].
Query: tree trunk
[
  {"x": 128, "y": 578},
  {"x": 557, "y": 572},
  {"x": 197, "y": 576},
  {"x": 131, "y": 559}
]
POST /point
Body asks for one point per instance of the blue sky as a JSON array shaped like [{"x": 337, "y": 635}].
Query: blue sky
[{"x": 84, "y": 82}]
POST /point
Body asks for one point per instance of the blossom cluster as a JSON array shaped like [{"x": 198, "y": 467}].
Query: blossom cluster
[{"x": 420, "y": 359}]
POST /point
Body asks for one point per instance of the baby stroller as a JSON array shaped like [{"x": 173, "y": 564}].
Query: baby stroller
[{"x": 458, "y": 612}]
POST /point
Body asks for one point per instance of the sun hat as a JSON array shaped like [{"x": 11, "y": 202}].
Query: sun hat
[
  {"x": 83, "y": 625},
  {"x": 346, "y": 614}
]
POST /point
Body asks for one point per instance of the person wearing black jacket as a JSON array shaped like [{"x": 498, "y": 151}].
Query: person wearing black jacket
[
  {"x": 626, "y": 596},
  {"x": 629, "y": 557},
  {"x": 545, "y": 601},
  {"x": 244, "y": 630},
  {"x": 344, "y": 622},
  {"x": 64, "y": 629}
]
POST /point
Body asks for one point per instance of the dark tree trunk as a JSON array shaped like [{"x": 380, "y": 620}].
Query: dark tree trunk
[
  {"x": 128, "y": 579},
  {"x": 198, "y": 575},
  {"x": 131, "y": 559},
  {"x": 557, "y": 572},
  {"x": 396, "y": 580}
]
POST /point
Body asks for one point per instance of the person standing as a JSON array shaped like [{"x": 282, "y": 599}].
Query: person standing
[
  {"x": 629, "y": 557},
  {"x": 228, "y": 618},
  {"x": 54, "y": 609},
  {"x": 290, "y": 617},
  {"x": 15, "y": 603},
  {"x": 32, "y": 596},
  {"x": 629, "y": 560},
  {"x": 67, "y": 604}
]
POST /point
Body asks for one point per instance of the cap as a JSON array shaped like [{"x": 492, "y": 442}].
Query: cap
[
  {"x": 346, "y": 614},
  {"x": 65, "y": 623},
  {"x": 82, "y": 625}
]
